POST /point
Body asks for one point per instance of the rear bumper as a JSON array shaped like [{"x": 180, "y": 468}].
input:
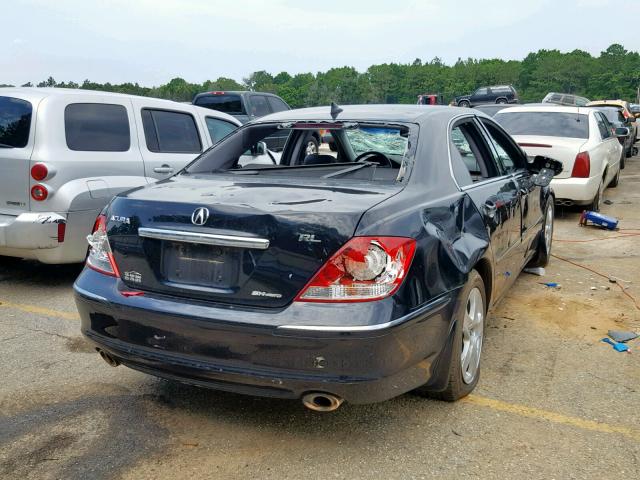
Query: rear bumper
[
  {"x": 253, "y": 352},
  {"x": 30, "y": 230},
  {"x": 35, "y": 236},
  {"x": 578, "y": 190}
]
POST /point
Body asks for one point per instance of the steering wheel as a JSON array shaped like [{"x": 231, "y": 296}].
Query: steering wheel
[{"x": 371, "y": 155}]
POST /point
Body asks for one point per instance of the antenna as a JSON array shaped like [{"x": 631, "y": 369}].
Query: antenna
[{"x": 335, "y": 110}]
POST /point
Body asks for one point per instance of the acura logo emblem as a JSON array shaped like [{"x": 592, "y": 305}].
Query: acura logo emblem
[{"x": 200, "y": 216}]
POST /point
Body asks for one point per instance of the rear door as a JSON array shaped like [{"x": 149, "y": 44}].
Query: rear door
[
  {"x": 494, "y": 194},
  {"x": 17, "y": 129},
  {"x": 169, "y": 138},
  {"x": 512, "y": 161}
]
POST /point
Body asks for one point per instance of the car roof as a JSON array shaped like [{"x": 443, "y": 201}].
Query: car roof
[
  {"x": 547, "y": 107},
  {"x": 385, "y": 113},
  {"x": 36, "y": 94}
]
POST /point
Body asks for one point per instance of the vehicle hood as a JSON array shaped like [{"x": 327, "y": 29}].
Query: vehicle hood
[{"x": 303, "y": 223}]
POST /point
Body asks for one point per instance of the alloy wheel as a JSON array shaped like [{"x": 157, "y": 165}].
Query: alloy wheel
[{"x": 472, "y": 335}]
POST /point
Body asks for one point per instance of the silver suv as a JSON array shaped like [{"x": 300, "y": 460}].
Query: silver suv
[{"x": 65, "y": 153}]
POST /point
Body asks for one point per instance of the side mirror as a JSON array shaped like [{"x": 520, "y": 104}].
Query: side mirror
[
  {"x": 545, "y": 169},
  {"x": 258, "y": 149},
  {"x": 621, "y": 132}
]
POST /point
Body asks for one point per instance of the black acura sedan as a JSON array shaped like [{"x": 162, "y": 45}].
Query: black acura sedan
[{"x": 354, "y": 275}]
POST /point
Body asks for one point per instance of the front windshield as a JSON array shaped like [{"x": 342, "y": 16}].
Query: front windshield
[
  {"x": 386, "y": 140},
  {"x": 360, "y": 151}
]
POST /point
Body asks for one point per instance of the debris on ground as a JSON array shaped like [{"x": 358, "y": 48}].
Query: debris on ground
[
  {"x": 551, "y": 284},
  {"x": 618, "y": 347},
  {"x": 589, "y": 218},
  {"x": 608, "y": 202},
  {"x": 535, "y": 271},
  {"x": 622, "y": 336}
]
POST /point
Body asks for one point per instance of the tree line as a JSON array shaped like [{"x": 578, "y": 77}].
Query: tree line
[{"x": 615, "y": 73}]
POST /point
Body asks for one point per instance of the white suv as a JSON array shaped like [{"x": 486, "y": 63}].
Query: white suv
[{"x": 65, "y": 153}]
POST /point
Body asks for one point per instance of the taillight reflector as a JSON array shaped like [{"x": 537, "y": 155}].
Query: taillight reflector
[
  {"x": 62, "y": 228},
  {"x": 39, "y": 193},
  {"x": 581, "y": 165},
  {"x": 39, "y": 172}
]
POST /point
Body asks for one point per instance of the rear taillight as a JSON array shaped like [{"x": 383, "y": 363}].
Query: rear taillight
[
  {"x": 39, "y": 172},
  {"x": 100, "y": 257},
  {"x": 364, "y": 269},
  {"x": 582, "y": 165},
  {"x": 39, "y": 192}
]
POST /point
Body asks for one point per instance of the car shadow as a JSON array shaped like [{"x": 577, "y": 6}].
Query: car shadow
[{"x": 32, "y": 272}]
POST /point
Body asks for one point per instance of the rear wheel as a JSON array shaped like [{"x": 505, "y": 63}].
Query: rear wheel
[
  {"x": 595, "y": 204},
  {"x": 501, "y": 101},
  {"x": 468, "y": 336},
  {"x": 312, "y": 146},
  {"x": 463, "y": 103},
  {"x": 543, "y": 251},
  {"x": 616, "y": 180},
  {"x": 622, "y": 160}
]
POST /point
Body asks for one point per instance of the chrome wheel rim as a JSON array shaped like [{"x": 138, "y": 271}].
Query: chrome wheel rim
[
  {"x": 472, "y": 335},
  {"x": 311, "y": 148},
  {"x": 548, "y": 228}
]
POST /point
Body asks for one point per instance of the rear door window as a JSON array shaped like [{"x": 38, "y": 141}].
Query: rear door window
[
  {"x": 504, "y": 152},
  {"x": 276, "y": 104},
  {"x": 546, "y": 124},
  {"x": 218, "y": 129},
  {"x": 15, "y": 122},
  {"x": 230, "y": 103},
  {"x": 97, "y": 127},
  {"x": 170, "y": 132},
  {"x": 471, "y": 160},
  {"x": 259, "y": 106}
]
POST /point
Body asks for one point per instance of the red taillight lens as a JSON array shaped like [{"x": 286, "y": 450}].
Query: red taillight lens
[
  {"x": 39, "y": 193},
  {"x": 582, "y": 165},
  {"x": 100, "y": 257},
  {"x": 39, "y": 172},
  {"x": 364, "y": 269}
]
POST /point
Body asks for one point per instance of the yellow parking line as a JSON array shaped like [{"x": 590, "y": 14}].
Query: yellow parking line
[
  {"x": 554, "y": 417},
  {"x": 47, "y": 312}
]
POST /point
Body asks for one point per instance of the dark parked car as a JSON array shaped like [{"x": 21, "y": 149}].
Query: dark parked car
[
  {"x": 616, "y": 119},
  {"x": 325, "y": 278},
  {"x": 495, "y": 94},
  {"x": 247, "y": 106}
]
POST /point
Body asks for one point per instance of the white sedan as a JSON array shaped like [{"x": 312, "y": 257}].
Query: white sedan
[{"x": 580, "y": 137}]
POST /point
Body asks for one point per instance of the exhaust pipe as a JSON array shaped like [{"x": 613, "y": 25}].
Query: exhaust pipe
[
  {"x": 112, "y": 362},
  {"x": 321, "y": 402}
]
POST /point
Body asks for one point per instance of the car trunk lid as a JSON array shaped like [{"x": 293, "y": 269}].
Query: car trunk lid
[
  {"x": 563, "y": 149},
  {"x": 244, "y": 242}
]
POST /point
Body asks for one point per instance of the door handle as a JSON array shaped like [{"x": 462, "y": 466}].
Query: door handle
[
  {"x": 164, "y": 169},
  {"x": 490, "y": 208}
]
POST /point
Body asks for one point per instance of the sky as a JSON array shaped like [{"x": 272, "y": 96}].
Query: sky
[{"x": 153, "y": 41}]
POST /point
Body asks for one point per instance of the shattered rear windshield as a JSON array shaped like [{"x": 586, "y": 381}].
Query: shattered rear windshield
[{"x": 350, "y": 150}]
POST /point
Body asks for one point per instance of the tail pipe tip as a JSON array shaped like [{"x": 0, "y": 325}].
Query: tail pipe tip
[
  {"x": 112, "y": 362},
  {"x": 321, "y": 402}
]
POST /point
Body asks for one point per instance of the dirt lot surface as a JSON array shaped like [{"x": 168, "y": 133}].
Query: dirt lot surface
[{"x": 553, "y": 400}]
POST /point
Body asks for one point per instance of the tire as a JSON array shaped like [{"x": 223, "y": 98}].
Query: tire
[
  {"x": 312, "y": 146},
  {"x": 463, "y": 103},
  {"x": 543, "y": 250},
  {"x": 501, "y": 101},
  {"x": 595, "y": 204},
  {"x": 333, "y": 147},
  {"x": 616, "y": 180},
  {"x": 461, "y": 381},
  {"x": 622, "y": 161}
]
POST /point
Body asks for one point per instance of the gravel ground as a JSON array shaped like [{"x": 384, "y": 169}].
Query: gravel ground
[{"x": 553, "y": 401}]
